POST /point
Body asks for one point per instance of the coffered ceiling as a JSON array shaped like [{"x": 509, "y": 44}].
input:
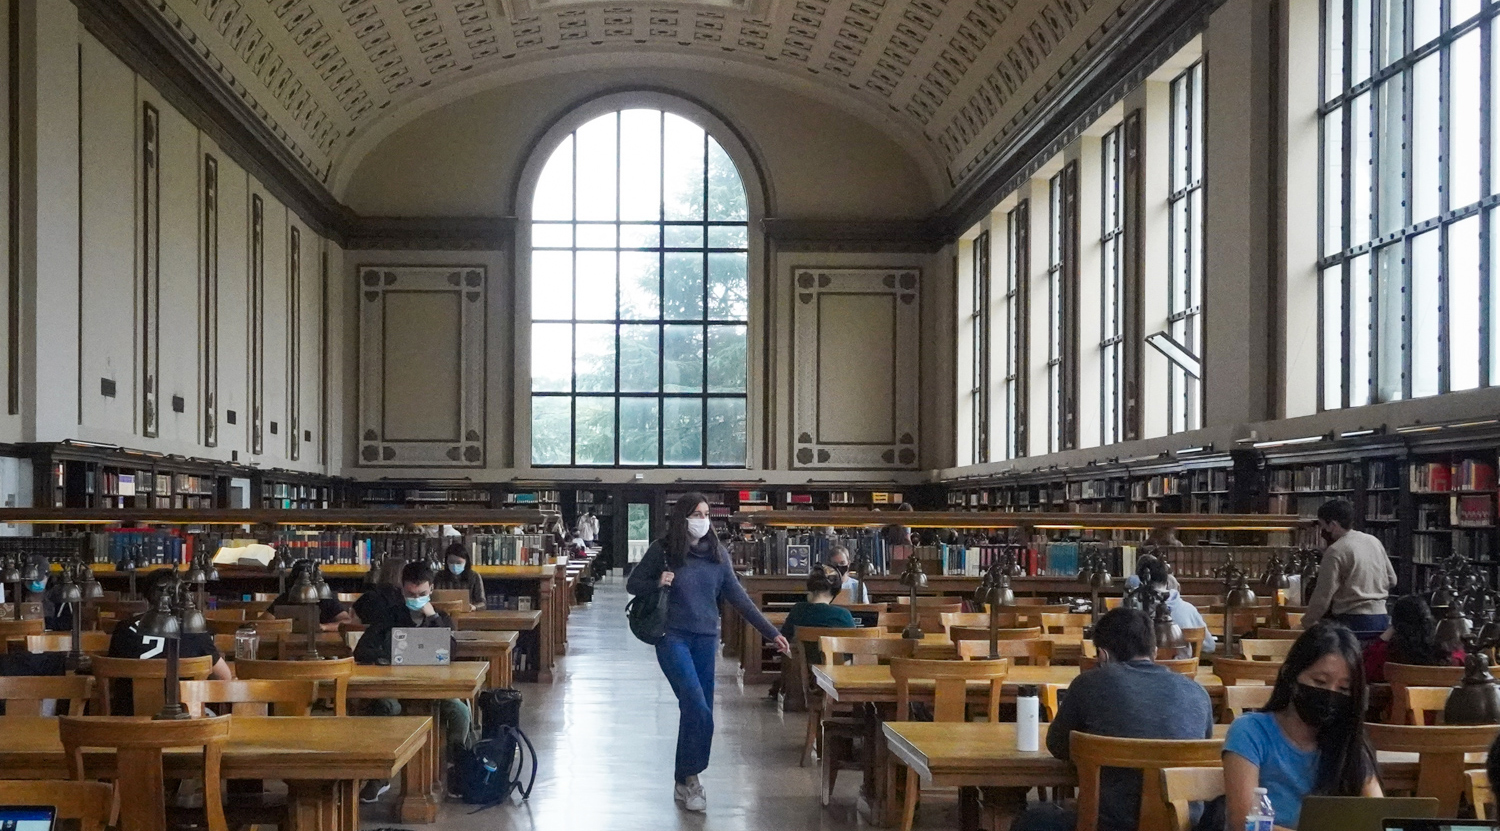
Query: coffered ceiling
[{"x": 953, "y": 79}]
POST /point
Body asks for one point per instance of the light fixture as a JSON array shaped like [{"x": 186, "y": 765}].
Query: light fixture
[
  {"x": 172, "y": 615},
  {"x": 913, "y": 578},
  {"x": 994, "y": 591}
]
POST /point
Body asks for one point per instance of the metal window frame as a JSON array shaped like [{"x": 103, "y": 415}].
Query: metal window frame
[
  {"x": 979, "y": 321},
  {"x": 1185, "y": 240},
  {"x": 1018, "y": 336},
  {"x": 1112, "y": 305}
]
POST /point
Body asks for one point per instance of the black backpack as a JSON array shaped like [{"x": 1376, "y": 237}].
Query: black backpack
[
  {"x": 647, "y": 613},
  {"x": 493, "y": 769},
  {"x": 498, "y": 709}
]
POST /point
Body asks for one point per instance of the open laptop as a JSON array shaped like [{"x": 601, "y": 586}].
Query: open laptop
[
  {"x": 1439, "y": 825},
  {"x": 1360, "y": 813},
  {"x": 27, "y": 817},
  {"x": 414, "y": 647},
  {"x": 866, "y": 619}
]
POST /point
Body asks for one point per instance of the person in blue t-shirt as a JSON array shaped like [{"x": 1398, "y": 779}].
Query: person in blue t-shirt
[{"x": 1310, "y": 738}]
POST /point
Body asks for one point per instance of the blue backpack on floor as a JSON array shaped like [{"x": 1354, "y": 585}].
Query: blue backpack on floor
[{"x": 490, "y": 771}]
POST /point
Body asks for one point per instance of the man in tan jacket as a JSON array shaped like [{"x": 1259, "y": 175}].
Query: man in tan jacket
[{"x": 1354, "y": 578}]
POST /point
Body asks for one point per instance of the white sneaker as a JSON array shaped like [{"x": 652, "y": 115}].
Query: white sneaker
[{"x": 691, "y": 796}]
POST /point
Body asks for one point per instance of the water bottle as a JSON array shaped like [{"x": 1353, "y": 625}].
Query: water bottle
[
  {"x": 1262, "y": 816},
  {"x": 1028, "y": 719}
]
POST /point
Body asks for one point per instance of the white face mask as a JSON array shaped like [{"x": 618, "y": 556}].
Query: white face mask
[{"x": 697, "y": 527}]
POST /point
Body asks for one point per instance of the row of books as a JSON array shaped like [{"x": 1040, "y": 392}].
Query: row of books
[
  {"x": 1332, "y": 476},
  {"x": 507, "y": 549}
]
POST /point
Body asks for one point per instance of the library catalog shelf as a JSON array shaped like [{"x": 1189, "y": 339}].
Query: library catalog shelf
[
  {"x": 1037, "y": 521},
  {"x": 241, "y": 516}
]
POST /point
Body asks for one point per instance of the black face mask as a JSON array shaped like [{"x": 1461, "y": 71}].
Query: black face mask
[
  {"x": 1327, "y": 537},
  {"x": 842, "y": 570},
  {"x": 1318, "y": 707}
]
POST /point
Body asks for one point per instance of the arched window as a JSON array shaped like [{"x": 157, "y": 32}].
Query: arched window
[{"x": 639, "y": 298}]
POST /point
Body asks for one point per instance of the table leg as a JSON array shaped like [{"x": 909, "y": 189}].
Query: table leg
[
  {"x": 502, "y": 668},
  {"x": 312, "y": 805},
  {"x": 419, "y": 779},
  {"x": 495, "y": 680},
  {"x": 884, "y": 778},
  {"x": 348, "y": 797},
  {"x": 1003, "y": 806}
]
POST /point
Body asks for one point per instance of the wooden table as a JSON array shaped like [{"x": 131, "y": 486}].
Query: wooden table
[
  {"x": 323, "y": 759},
  {"x": 426, "y": 685},
  {"x": 494, "y": 647},
  {"x": 496, "y": 620},
  {"x": 1065, "y": 648}
]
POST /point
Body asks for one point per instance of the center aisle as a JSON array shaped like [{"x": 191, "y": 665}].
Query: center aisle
[{"x": 606, "y": 730}]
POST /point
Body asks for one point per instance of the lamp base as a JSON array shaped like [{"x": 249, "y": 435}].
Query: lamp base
[
  {"x": 171, "y": 712},
  {"x": 912, "y": 632}
]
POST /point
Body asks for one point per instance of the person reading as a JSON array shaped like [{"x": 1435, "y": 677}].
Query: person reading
[
  {"x": 458, "y": 573},
  {"x": 1127, "y": 695}
]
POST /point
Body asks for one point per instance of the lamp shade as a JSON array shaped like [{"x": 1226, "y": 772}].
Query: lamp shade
[
  {"x": 1454, "y": 627},
  {"x": 12, "y": 572},
  {"x": 1477, "y": 699},
  {"x": 159, "y": 621},
  {"x": 32, "y": 571}
]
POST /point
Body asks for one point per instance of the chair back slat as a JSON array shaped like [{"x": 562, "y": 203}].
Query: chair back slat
[
  {"x": 950, "y": 692},
  {"x": 1271, "y": 649},
  {"x": 145, "y": 676},
  {"x": 267, "y": 627},
  {"x": 1422, "y": 701},
  {"x": 1440, "y": 759},
  {"x": 87, "y": 803},
  {"x": 1241, "y": 699},
  {"x": 1402, "y": 676},
  {"x": 1234, "y": 671},
  {"x": 88, "y": 642},
  {"x": 1065, "y": 623},
  {"x": 1182, "y": 786},
  {"x": 139, "y": 778},
  {"x": 1035, "y": 652},
  {"x": 251, "y": 698},
  {"x": 845, "y": 650},
  {"x": 335, "y": 670},
  {"x": 982, "y": 633},
  {"x": 1090, "y": 753},
  {"x": 23, "y": 694},
  {"x": 1481, "y": 796},
  {"x": 1181, "y": 666}
]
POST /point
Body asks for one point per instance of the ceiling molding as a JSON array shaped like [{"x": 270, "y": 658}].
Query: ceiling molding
[
  {"x": 870, "y": 236},
  {"x": 438, "y": 233}
]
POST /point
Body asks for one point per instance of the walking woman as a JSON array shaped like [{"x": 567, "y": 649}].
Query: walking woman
[{"x": 691, "y": 560}]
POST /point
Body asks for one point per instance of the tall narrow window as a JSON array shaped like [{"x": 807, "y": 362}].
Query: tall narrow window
[
  {"x": 1062, "y": 310},
  {"x": 150, "y": 269},
  {"x": 639, "y": 298},
  {"x": 979, "y": 331},
  {"x": 1111, "y": 287},
  {"x": 210, "y": 301},
  {"x": 294, "y": 342},
  {"x": 1185, "y": 252},
  {"x": 1408, "y": 199},
  {"x": 257, "y": 323},
  {"x": 1017, "y": 267}
]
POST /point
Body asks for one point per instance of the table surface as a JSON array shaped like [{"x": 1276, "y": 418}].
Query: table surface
[
  {"x": 259, "y": 747},
  {"x": 492, "y": 638},
  {"x": 461, "y": 679},
  {"x": 504, "y": 619},
  {"x": 866, "y": 680}
]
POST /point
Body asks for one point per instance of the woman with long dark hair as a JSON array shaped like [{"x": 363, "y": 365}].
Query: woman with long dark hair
[
  {"x": 1310, "y": 738},
  {"x": 1411, "y": 639},
  {"x": 692, "y": 561}
]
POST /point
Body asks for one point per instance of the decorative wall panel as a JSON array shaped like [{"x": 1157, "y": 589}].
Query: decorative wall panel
[
  {"x": 855, "y": 356},
  {"x": 421, "y": 366}
]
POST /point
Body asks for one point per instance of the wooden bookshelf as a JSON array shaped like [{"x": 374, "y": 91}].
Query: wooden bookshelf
[
  {"x": 260, "y": 516},
  {"x": 997, "y": 520}
]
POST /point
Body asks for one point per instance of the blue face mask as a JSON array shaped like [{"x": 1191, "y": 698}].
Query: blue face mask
[
  {"x": 37, "y": 585},
  {"x": 416, "y": 603},
  {"x": 456, "y": 568}
]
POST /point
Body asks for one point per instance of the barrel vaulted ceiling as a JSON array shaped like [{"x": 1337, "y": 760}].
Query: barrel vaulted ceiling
[{"x": 955, "y": 78}]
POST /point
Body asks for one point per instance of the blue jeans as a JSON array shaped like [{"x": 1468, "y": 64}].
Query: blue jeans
[
  {"x": 688, "y": 662},
  {"x": 1365, "y": 627}
]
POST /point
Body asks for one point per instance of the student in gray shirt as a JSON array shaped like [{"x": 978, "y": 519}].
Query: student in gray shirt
[{"x": 1126, "y": 695}]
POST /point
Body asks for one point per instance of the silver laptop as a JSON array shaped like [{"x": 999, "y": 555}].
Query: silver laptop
[
  {"x": 1361, "y": 813},
  {"x": 413, "y": 647},
  {"x": 27, "y": 817}
]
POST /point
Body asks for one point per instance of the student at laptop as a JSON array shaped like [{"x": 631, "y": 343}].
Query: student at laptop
[
  {"x": 374, "y": 647},
  {"x": 128, "y": 642},
  {"x": 331, "y": 612},
  {"x": 823, "y": 584},
  {"x": 858, "y": 592},
  {"x": 1130, "y": 696},
  {"x": 1310, "y": 738},
  {"x": 1411, "y": 639},
  {"x": 458, "y": 573}
]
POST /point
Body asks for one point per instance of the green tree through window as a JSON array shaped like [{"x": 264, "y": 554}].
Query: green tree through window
[{"x": 639, "y": 298}]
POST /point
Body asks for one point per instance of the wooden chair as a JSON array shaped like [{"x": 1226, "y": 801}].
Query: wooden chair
[
  {"x": 1293, "y": 620},
  {"x": 330, "y": 645},
  {"x": 1181, "y": 786},
  {"x": 931, "y": 621},
  {"x": 952, "y": 619},
  {"x": 982, "y": 633},
  {"x": 18, "y": 630},
  {"x": 453, "y": 607},
  {"x": 87, "y": 803},
  {"x": 1267, "y": 633},
  {"x": 145, "y": 676},
  {"x": 1193, "y": 637},
  {"x": 1420, "y": 701},
  {"x": 336, "y": 670},
  {"x": 1274, "y": 650},
  {"x": 138, "y": 744},
  {"x": 1203, "y": 601},
  {"x": 120, "y": 609},
  {"x": 1234, "y": 671},
  {"x": 1244, "y": 622},
  {"x": 845, "y": 650},
  {"x": 448, "y": 596},
  {"x": 1441, "y": 752},
  {"x": 252, "y": 608},
  {"x": 950, "y": 696},
  {"x": 270, "y": 629},
  {"x": 1240, "y": 699},
  {"x": 89, "y": 642},
  {"x": 1036, "y": 652},
  {"x": 224, "y": 614},
  {"x": 1481, "y": 796},
  {"x": 903, "y": 603},
  {"x": 1181, "y": 666},
  {"x": 1401, "y": 676},
  {"x": 1065, "y": 623},
  {"x": 838, "y": 737},
  {"x": 251, "y": 698},
  {"x": 802, "y": 694},
  {"x": 23, "y": 694},
  {"x": 1090, "y": 753}
]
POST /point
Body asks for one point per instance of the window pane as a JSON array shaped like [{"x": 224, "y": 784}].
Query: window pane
[
  {"x": 554, "y": 188},
  {"x": 726, "y": 359},
  {"x": 640, "y": 285},
  {"x": 1461, "y": 10},
  {"x": 551, "y": 357},
  {"x": 1333, "y": 182},
  {"x": 726, "y": 431},
  {"x": 1463, "y": 304},
  {"x": 640, "y": 236},
  {"x": 638, "y": 427},
  {"x": 640, "y": 179},
  {"x": 1463, "y": 119},
  {"x": 1425, "y": 148},
  {"x": 1392, "y": 27},
  {"x": 1427, "y": 20},
  {"x": 1359, "y": 47},
  {"x": 596, "y": 236},
  {"x": 595, "y": 362},
  {"x": 1360, "y": 172},
  {"x": 596, "y": 168},
  {"x": 1494, "y": 281},
  {"x": 1392, "y": 138},
  {"x": 682, "y": 359},
  {"x": 683, "y": 186},
  {"x": 726, "y": 193},
  {"x": 551, "y": 285},
  {"x": 1333, "y": 56},
  {"x": 1333, "y": 338},
  {"x": 728, "y": 293},
  {"x": 1360, "y": 332},
  {"x": 551, "y": 235},
  {"x": 551, "y": 430},
  {"x": 682, "y": 431},
  {"x": 1390, "y": 285},
  {"x": 727, "y": 236},
  {"x": 684, "y": 287},
  {"x": 639, "y": 348},
  {"x": 682, "y": 236},
  {"x": 595, "y": 431},
  {"x": 596, "y": 285},
  {"x": 1426, "y": 264}
]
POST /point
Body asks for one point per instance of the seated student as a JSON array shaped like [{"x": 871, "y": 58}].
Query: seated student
[
  {"x": 1410, "y": 639},
  {"x": 824, "y": 582},
  {"x": 1184, "y": 614},
  {"x": 128, "y": 642},
  {"x": 381, "y": 615},
  {"x": 460, "y": 574},
  {"x": 858, "y": 592},
  {"x": 1310, "y": 738},
  {"x": 1130, "y": 696},
  {"x": 331, "y": 613},
  {"x": 384, "y": 591}
]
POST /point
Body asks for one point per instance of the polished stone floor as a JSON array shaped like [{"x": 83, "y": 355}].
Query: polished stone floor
[{"x": 605, "y": 731}]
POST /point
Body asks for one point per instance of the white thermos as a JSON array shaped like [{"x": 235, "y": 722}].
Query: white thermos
[{"x": 1028, "y": 719}]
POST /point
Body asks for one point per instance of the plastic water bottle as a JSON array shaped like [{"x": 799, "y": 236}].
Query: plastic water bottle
[
  {"x": 1262, "y": 816},
  {"x": 1028, "y": 719}
]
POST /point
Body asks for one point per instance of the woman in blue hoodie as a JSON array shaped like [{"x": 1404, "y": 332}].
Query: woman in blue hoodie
[{"x": 691, "y": 560}]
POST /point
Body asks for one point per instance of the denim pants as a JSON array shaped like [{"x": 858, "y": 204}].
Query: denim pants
[
  {"x": 688, "y": 662},
  {"x": 1365, "y": 627}
]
